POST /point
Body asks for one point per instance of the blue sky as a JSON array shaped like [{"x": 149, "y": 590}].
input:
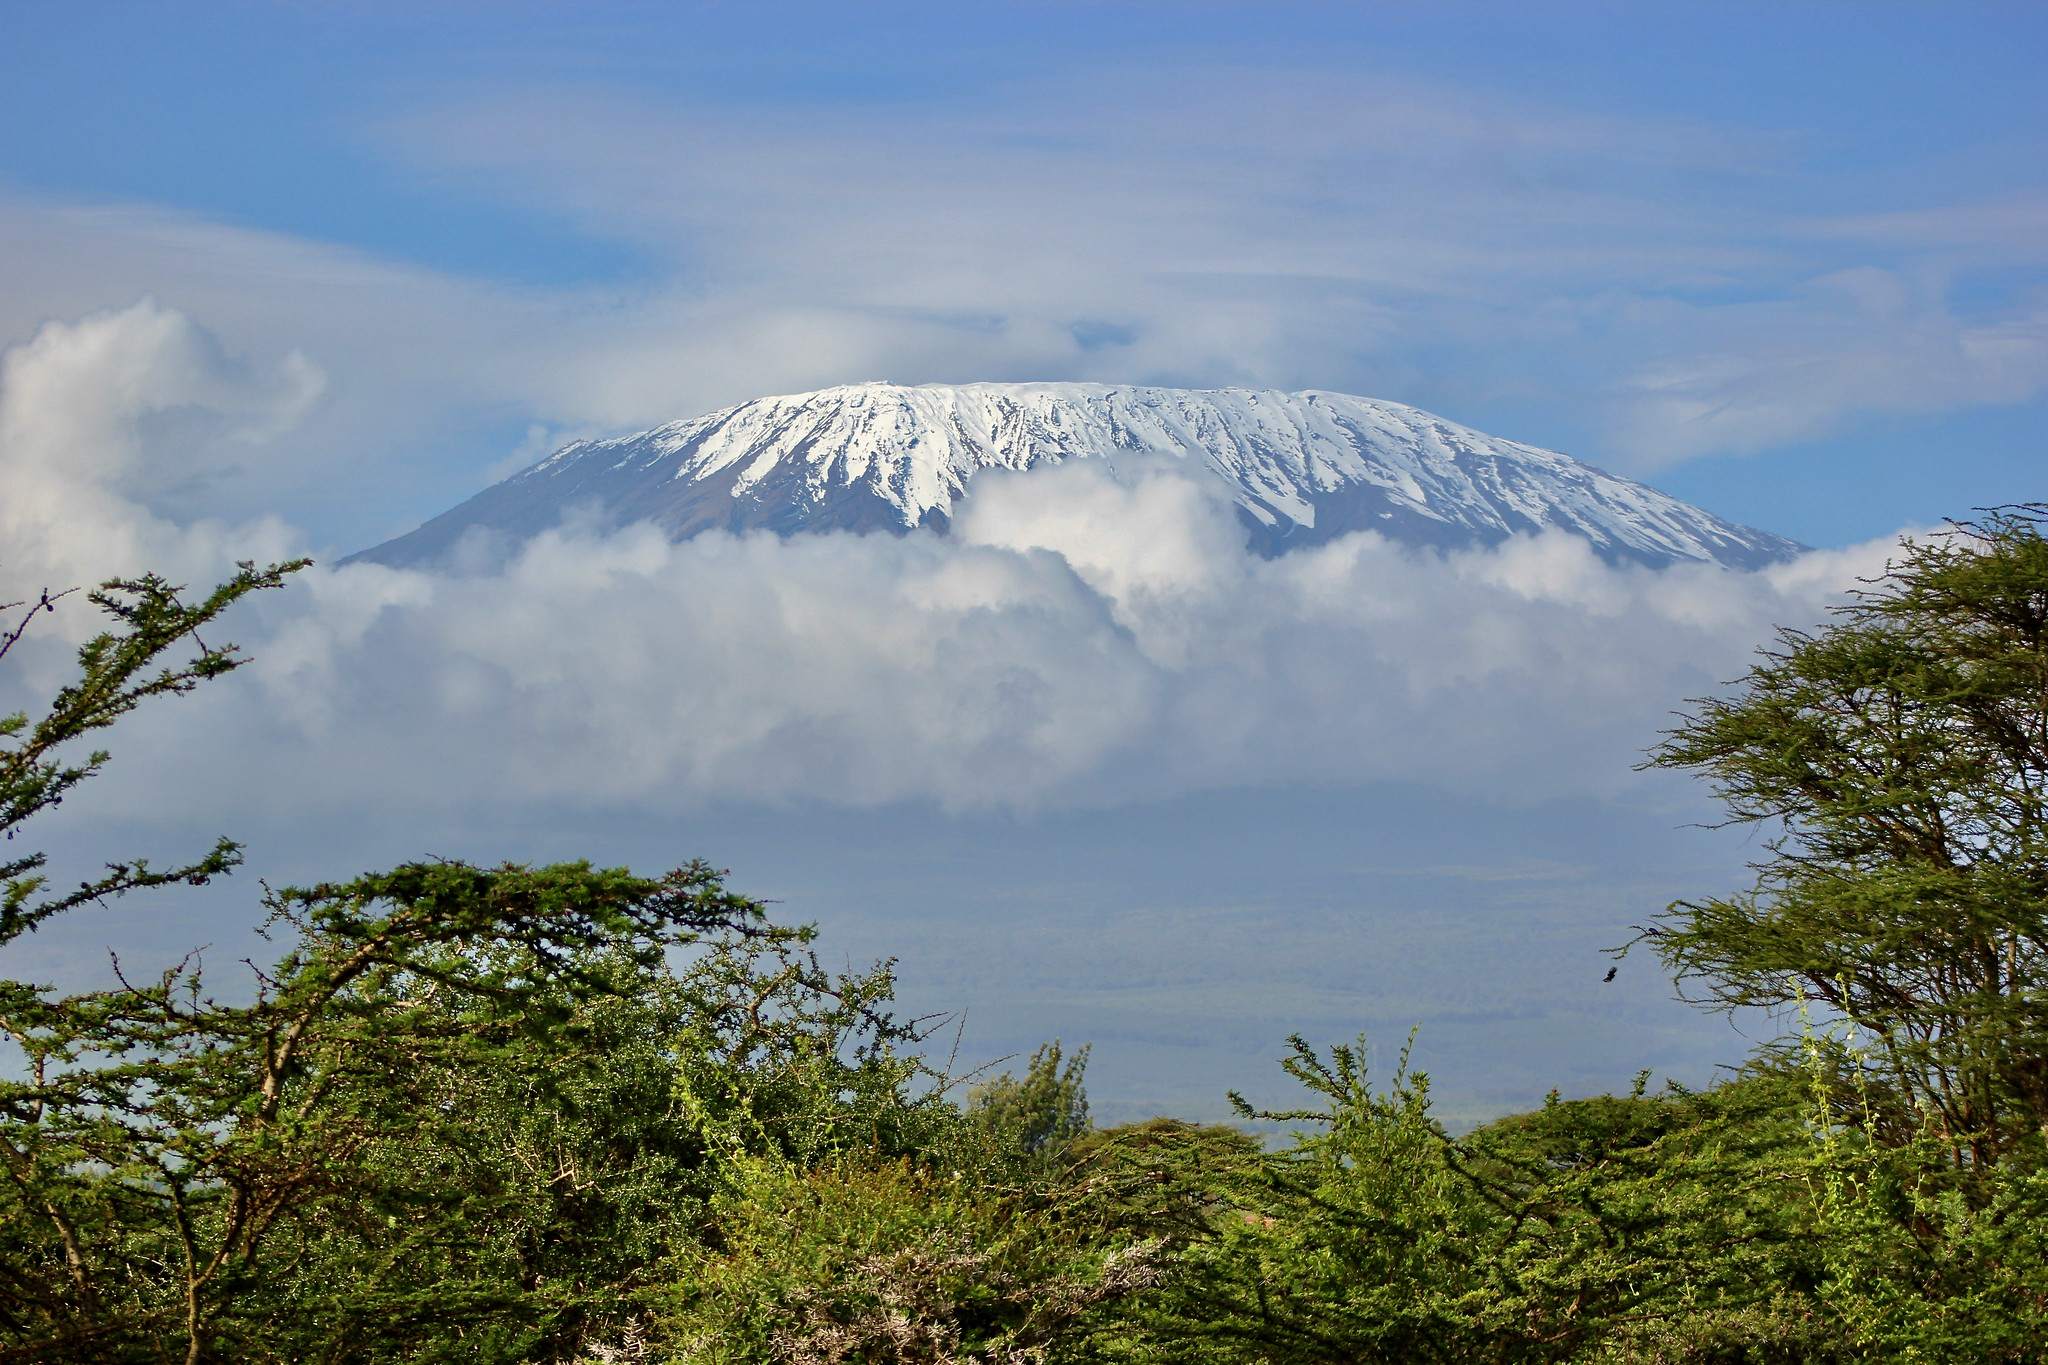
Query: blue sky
[
  {"x": 297, "y": 276},
  {"x": 1732, "y": 160}
]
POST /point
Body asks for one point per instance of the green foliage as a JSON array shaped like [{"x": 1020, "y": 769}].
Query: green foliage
[
  {"x": 114, "y": 678},
  {"x": 171, "y": 1154},
  {"x": 1902, "y": 754},
  {"x": 1041, "y": 1113},
  {"x": 994, "y": 1241},
  {"x": 1923, "y": 1259},
  {"x": 539, "y": 1169},
  {"x": 567, "y": 1113},
  {"x": 1747, "y": 1223},
  {"x": 466, "y": 1112},
  {"x": 1637, "y": 1228},
  {"x": 879, "y": 1261}
]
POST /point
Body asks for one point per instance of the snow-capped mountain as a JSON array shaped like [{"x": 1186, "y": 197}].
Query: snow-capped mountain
[{"x": 1301, "y": 467}]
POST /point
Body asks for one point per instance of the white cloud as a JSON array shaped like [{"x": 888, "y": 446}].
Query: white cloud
[
  {"x": 1629, "y": 284},
  {"x": 1254, "y": 226},
  {"x": 623, "y": 670},
  {"x": 415, "y": 362},
  {"x": 1079, "y": 645},
  {"x": 1078, "y": 642},
  {"x": 1860, "y": 340},
  {"x": 101, "y": 417}
]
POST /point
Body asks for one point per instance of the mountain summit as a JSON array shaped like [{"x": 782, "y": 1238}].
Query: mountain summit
[{"x": 1302, "y": 468}]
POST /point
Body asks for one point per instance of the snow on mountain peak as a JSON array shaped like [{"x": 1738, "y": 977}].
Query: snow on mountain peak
[{"x": 1301, "y": 467}]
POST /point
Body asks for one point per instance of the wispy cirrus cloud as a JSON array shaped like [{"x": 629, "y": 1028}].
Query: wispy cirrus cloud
[
  {"x": 1641, "y": 291},
  {"x": 1389, "y": 236},
  {"x": 1865, "y": 340}
]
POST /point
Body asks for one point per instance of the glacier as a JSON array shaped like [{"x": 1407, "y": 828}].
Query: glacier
[{"x": 1302, "y": 469}]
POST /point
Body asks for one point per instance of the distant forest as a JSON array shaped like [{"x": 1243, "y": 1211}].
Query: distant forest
[{"x": 564, "y": 1113}]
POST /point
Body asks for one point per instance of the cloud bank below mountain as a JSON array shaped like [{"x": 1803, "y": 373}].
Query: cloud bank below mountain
[{"x": 1077, "y": 642}]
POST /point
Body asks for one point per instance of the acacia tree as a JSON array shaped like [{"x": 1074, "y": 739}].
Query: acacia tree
[
  {"x": 1900, "y": 758},
  {"x": 464, "y": 1110},
  {"x": 118, "y": 670}
]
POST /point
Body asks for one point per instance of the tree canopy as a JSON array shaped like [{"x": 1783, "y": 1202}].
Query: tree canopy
[
  {"x": 569, "y": 1113},
  {"x": 1899, "y": 760}
]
